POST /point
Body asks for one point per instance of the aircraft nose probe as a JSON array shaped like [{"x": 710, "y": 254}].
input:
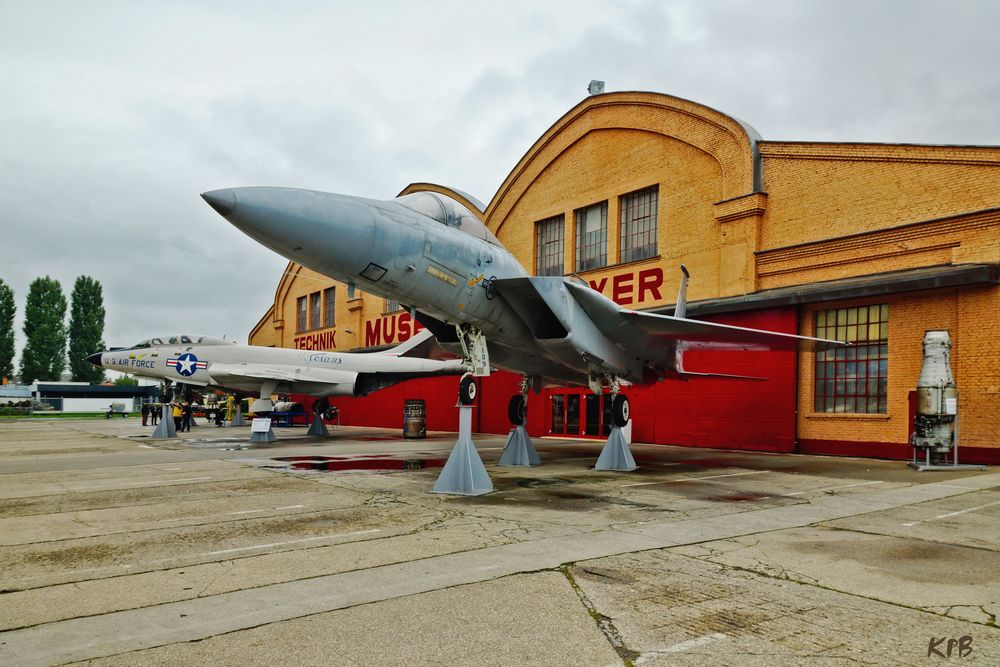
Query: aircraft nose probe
[
  {"x": 95, "y": 358},
  {"x": 223, "y": 201}
]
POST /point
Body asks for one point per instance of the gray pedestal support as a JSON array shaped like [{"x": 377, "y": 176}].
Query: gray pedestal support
[
  {"x": 263, "y": 437},
  {"x": 165, "y": 429},
  {"x": 616, "y": 454},
  {"x": 317, "y": 427},
  {"x": 464, "y": 473},
  {"x": 238, "y": 417},
  {"x": 518, "y": 451}
]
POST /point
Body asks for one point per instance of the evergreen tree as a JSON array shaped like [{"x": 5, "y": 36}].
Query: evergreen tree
[
  {"x": 7, "y": 310},
  {"x": 44, "y": 354},
  {"x": 86, "y": 330}
]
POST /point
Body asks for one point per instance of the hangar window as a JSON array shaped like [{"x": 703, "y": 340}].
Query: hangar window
[
  {"x": 314, "y": 310},
  {"x": 330, "y": 306},
  {"x": 638, "y": 228},
  {"x": 592, "y": 237},
  {"x": 301, "y": 313},
  {"x": 549, "y": 246},
  {"x": 853, "y": 379}
]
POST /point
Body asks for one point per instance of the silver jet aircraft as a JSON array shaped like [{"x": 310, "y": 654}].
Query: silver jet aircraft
[
  {"x": 215, "y": 362},
  {"x": 429, "y": 252}
]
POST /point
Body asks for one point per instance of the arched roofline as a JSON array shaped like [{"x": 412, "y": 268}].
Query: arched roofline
[{"x": 744, "y": 138}]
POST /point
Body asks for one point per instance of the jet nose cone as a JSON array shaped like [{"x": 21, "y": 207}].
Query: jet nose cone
[
  {"x": 223, "y": 201},
  {"x": 95, "y": 358}
]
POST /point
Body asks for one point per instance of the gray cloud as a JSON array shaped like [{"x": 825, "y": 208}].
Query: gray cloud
[{"x": 117, "y": 114}]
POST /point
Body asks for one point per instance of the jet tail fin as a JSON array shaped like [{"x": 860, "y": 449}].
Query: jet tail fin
[{"x": 680, "y": 310}]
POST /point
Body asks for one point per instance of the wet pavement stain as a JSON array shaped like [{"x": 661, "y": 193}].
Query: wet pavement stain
[
  {"x": 924, "y": 561},
  {"x": 331, "y": 463}
]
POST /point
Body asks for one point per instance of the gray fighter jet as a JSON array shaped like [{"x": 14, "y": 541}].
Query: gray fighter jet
[
  {"x": 215, "y": 362},
  {"x": 428, "y": 251}
]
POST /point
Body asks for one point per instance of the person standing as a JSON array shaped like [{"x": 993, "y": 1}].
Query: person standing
[
  {"x": 177, "y": 412},
  {"x": 186, "y": 417},
  {"x": 145, "y": 413},
  {"x": 154, "y": 413}
]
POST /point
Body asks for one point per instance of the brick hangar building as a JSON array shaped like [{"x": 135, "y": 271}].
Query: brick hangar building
[{"x": 870, "y": 243}]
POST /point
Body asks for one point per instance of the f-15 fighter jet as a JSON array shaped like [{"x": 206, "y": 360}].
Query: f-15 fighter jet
[
  {"x": 428, "y": 251},
  {"x": 215, "y": 362}
]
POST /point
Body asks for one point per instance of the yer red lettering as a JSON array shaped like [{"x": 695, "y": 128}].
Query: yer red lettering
[
  {"x": 650, "y": 281},
  {"x": 621, "y": 289}
]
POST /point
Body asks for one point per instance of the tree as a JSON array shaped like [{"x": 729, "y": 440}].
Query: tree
[
  {"x": 7, "y": 310},
  {"x": 126, "y": 381},
  {"x": 44, "y": 354},
  {"x": 86, "y": 330}
]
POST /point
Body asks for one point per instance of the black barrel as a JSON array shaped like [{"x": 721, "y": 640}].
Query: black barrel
[{"x": 414, "y": 418}]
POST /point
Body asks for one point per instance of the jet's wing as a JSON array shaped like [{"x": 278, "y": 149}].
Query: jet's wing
[
  {"x": 624, "y": 339},
  {"x": 222, "y": 372},
  {"x": 695, "y": 334}
]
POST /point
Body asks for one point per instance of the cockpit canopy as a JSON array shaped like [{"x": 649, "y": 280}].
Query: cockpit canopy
[
  {"x": 447, "y": 211},
  {"x": 183, "y": 340}
]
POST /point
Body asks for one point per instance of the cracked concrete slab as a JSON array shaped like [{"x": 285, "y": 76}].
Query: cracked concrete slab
[
  {"x": 674, "y": 609},
  {"x": 116, "y": 545},
  {"x": 906, "y": 572},
  {"x": 532, "y": 619}
]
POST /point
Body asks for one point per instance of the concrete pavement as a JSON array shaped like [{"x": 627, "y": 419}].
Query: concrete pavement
[{"x": 118, "y": 549}]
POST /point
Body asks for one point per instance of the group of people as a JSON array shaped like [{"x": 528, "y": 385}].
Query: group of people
[
  {"x": 150, "y": 413},
  {"x": 182, "y": 414}
]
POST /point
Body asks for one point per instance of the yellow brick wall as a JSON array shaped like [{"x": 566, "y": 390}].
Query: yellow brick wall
[
  {"x": 977, "y": 369},
  {"x": 969, "y": 238},
  {"x": 602, "y": 166},
  {"x": 280, "y": 328},
  {"x": 821, "y": 191},
  {"x": 971, "y": 316}
]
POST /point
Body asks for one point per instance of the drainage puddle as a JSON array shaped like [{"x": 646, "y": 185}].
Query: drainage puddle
[{"x": 378, "y": 462}]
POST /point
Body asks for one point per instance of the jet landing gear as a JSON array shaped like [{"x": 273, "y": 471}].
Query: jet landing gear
[
  {"x": 262, "y": 408},
  {"x": 464, "y": 473},
  {"x": 318, "y": 428},
  {"x": 518, "y": 450},
  {"x": 616, "y": 454}
]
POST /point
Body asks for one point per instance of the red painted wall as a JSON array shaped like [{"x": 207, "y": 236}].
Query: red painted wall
[{"x": 733, "y": 414}]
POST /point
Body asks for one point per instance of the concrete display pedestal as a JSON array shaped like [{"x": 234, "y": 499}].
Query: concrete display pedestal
[
  {"x": 238, "y": 419},
  {"x": 318, "y": 428},
  {"x": 261, "y": 431},
  {"x": 518, "y": 450},
  {"x": 616, "y": 454},
  {"x": 165, "y": 429},
  {"x": 464, "y": 473}
]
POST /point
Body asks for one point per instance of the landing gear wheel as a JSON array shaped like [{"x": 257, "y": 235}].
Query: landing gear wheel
[
  {"x": 619, "y": 410},
  {"x": 517, "y": 408},
  {"x": 467, "y": 390}
]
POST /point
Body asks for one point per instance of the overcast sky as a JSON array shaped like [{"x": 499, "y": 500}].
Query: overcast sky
[{"x": 116, "y": 115}]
